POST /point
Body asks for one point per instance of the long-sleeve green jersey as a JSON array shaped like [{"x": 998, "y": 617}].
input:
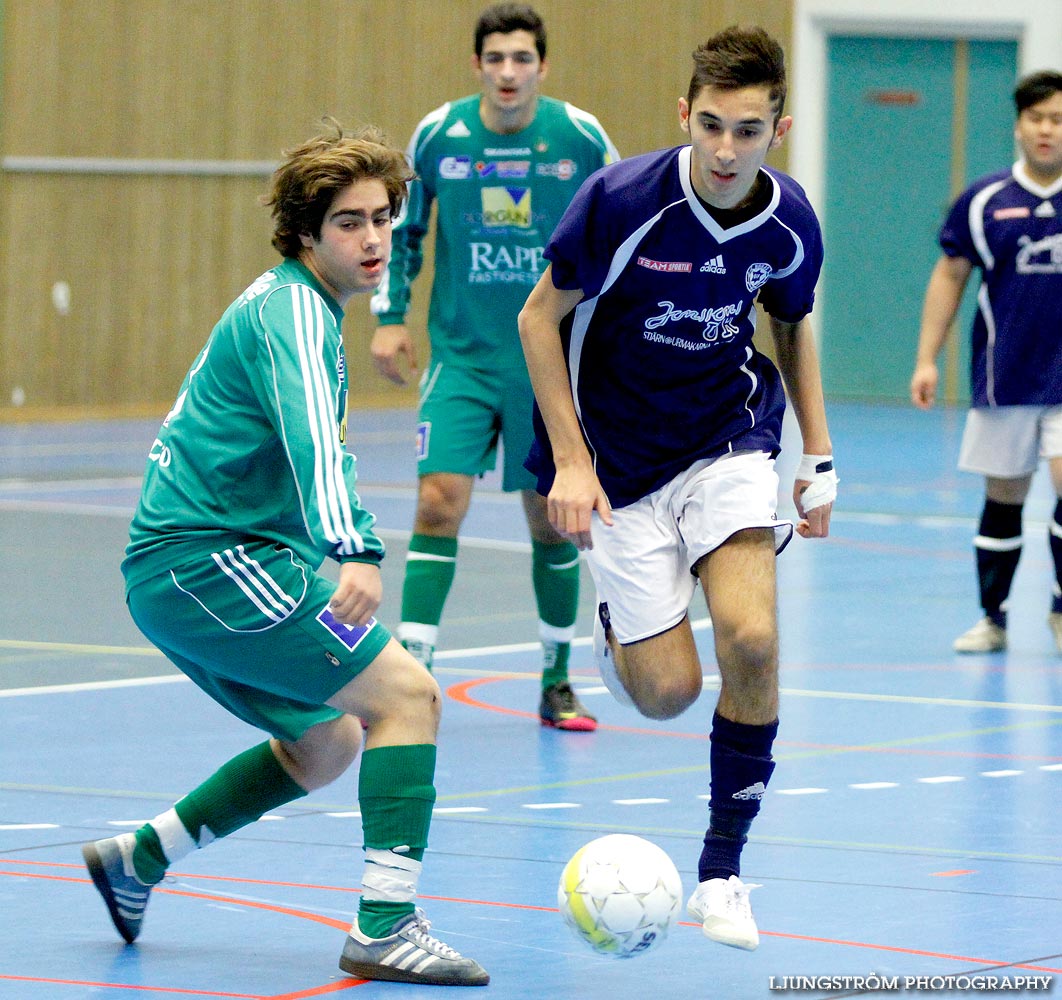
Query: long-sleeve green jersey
[
  {"x": 254, "y": 446},
  {"x": 498, "y": 198}
]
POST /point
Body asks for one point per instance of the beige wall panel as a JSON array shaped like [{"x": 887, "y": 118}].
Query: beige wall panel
[{"x": 152, "y": 261}]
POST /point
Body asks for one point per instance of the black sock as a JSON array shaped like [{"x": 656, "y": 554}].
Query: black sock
[
  {"x": 741, "y": 767},
  {"x": 998, "y": 546}
]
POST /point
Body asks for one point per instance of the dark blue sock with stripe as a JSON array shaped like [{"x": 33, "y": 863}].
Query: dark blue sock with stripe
[{"x": 741, "y": 767}]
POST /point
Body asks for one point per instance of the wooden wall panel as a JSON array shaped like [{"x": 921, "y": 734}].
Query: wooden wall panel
[{"x": 151, "y": 261}]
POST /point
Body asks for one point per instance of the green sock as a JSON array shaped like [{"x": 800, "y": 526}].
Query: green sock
[
  {"x": 555, "y": 577},
  {"x": 396, "y": 792},
  {"x": 236, "y": 794},
  {"x": 430, "y": 568},
  {"x": 149, "y": 859}
]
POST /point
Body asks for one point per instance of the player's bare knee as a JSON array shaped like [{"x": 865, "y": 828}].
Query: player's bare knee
[
  {"x": 418, "y": 692},
  {"x": 665, "y": 697},
  {"x": 321, "y": 754},
  {"x": 750, "y": 651}
]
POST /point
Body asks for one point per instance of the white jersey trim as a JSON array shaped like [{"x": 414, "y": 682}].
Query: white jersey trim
[
  {"x": 335, "y": 516},
  {"x": 1031, "y": 186},
  {"x": 719, "y": 234},
  {"x": 595, "y": 133}
]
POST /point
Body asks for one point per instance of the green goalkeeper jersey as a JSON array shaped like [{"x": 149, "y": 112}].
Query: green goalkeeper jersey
[
  {"x": 498, "y": 198},
  {"x": 254, "y": 447}
]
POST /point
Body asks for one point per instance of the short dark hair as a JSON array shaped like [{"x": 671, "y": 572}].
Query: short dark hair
[
  {"x": 1036, "y": 87},
  {"x": 739, "y": 57},
  {"x": 505, "y": 17},
  {"x": 312, "y": 174}
]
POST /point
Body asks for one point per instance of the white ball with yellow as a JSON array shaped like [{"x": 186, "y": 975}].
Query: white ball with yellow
[{"x": 620, "y": 894}]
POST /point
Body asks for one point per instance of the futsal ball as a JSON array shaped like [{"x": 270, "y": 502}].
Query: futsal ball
[{"x": 620, "y": 894}]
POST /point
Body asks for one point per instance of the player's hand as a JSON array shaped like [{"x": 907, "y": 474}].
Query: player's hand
[
  {"x": 576, "y": 494},
  {"x": 814, "y": 492},
  {"x": 924, "y": 385},
  {"x": 389, "y": 345},
  {"x": 359, "y": 593}
]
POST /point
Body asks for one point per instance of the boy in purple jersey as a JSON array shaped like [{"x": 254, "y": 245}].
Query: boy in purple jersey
[
  {"x": 1009, "y": 226},
  {"x": 659, "y": 421}
]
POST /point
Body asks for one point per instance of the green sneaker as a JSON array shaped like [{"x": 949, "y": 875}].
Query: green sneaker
[
  {"x": 409, "y": 954},
  {"x": 560, "y": 708}
]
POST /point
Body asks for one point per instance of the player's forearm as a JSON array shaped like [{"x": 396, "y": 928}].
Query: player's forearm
[
  {"x": 540, "y": 337},
  {"x": 943, "y": 295},
  {"x": 798, "y": 361}
]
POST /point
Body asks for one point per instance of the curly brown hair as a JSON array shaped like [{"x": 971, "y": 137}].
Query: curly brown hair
[{"x": 306, "y": 183}]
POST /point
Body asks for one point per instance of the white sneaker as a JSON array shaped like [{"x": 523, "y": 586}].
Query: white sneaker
[
  {"x": 722, "y": 907},
  {"x": 1054, "y": 621},
  {"x": 606, "y": 665},
  {"x": 985, "y": 637}
]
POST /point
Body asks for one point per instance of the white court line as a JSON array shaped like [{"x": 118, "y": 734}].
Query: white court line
[{"x": 490, "y": 651}]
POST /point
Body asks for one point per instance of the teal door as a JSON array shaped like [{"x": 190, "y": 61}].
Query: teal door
[{"x": 909, "y": 123}]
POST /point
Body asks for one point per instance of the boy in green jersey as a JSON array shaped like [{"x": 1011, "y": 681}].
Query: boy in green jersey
[
  {"x": 248, "y": 489},
  {"x": 501, "y": 167}
]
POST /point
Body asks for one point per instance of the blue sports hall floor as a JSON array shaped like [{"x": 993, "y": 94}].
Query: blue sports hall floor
[{"x": 912, "y": 831}]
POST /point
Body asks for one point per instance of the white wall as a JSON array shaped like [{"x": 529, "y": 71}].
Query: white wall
[{"x": 1036, "y": 24}]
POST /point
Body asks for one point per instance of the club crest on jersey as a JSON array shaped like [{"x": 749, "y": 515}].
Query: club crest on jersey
[
  {"x": 757, "y": 275},
  {"x": 350, "y": 635},
  {"x": 506, "y": 206}
]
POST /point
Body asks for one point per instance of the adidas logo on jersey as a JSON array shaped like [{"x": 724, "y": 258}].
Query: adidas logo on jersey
[
  {"x": 459, "y": 130},
  {"x": 753, "y": 791},
  {"x": 714, "y": 266},
  {"x": 1045, "y": 210}
]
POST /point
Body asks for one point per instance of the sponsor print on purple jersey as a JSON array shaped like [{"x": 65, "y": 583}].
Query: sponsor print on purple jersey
[
  {"x": 1011, "y": 229},
  {"x": 660, "y": 351}
]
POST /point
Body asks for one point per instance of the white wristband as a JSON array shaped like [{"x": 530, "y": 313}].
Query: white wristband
[
  {"x": 810, "y": 464},
  {"x": 818, "y": 472}
]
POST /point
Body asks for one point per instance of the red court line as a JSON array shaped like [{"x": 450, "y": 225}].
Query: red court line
[
  {"x": 910, "y": 951},
  {"x": 316, "y": 991},
  {"x": 251, "y": 881},
  {"x": 126, "y": 986},
  {"x": 344, "y": 984},
  {"x": 460, "y": 693},
  {"x": 313, "y": 991}
]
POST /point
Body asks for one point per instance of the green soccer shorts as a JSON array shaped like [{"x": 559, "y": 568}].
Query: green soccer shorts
[
  {"x": 250, "y": 625},
  {"x": 463, "y": 414}
]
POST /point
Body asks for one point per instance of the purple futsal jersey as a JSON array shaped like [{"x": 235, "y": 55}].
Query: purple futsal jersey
[
  {"x": 660, "y": 350},
  {"x": 1011, "y": 229}
]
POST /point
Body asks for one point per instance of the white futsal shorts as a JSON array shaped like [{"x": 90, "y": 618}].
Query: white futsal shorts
[
  {"x": 1008, "y": 441},
  {"x": 642, "y": 564}
]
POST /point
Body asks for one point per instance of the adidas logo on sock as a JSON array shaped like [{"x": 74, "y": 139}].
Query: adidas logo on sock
[{"x": 752, "y": 792}]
